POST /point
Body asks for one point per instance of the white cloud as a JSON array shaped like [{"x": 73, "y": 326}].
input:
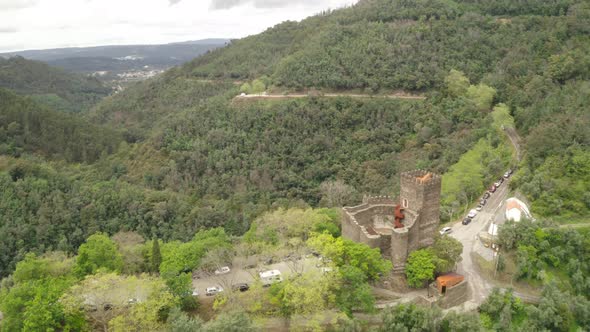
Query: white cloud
[
  {"x": 226, "y": 4},
  {"x": 65, "y": 23},
  {"x": 17, "y": 4},
  {"x": 8, "y": 30}
]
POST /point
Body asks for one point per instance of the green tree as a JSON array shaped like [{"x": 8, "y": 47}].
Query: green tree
[
  {"x": 258, "y": 86},
  {"x": 354, "y": 292},
  {"x": 33, "y": 305},
  {"x": 156, "y": 258},
  {"x": 120, "y": 303},
  {"x": 305, "y": 294},
  {"x": 231, "y": 322},
  {"x": 461, "y": 322},
  {"x": 456, "y": 83},
  {"x": 553, "y": 312},
  {"x": 420, "y": 267},
  {"x": 179, "y": 321},
  {"x": 246, "y": 88},
  {"x": 349, "y": 253},
  {"x": 99, "y": 252},
  {"x": 481, "y": 95},
  {"x": 448, "y": 252},
  {"x": 500, "y": 308},
  {"x": 411, "y": 318}
]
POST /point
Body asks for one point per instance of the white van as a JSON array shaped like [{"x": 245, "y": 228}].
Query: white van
[{"x": 270, "y": 277}]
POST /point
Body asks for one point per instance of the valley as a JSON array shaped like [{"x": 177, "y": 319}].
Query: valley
[{"x": 342, "y": 152}]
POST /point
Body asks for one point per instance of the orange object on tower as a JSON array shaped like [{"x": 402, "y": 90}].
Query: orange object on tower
[{"x": 399, "y": 215}]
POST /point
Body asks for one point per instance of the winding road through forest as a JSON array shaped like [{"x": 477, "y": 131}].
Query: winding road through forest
[
  {"x": 479, "y": 286},
  {"x": 329, "y": 95}
]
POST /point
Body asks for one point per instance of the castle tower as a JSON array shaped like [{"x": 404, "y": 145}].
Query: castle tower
[{"x": 420, "y": 192}]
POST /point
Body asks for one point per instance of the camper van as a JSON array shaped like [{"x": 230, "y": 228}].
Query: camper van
[{"x": 270, "y": 277}]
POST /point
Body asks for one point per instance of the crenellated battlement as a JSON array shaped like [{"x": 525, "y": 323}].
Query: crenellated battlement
[
  {"x": 371, "y": 200},
  {"x": 421, "y": 178},
  {"x": 372, "y": 222}
]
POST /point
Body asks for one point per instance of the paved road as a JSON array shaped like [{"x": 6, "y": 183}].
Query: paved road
[
  {"x": 329, "y": 95},
  {"x": 467, "y": 234},
  {"x": 494, "y": 210}
]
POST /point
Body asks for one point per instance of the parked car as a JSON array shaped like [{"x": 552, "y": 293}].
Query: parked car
[
  {"x": 501, "y": 180},
  {"x": 472, "y": 213},
  {"x": 195, "y": 292},
  {"x": 483, "y": 201},
  {"x": 497, "y": 184},
  {"x": 479, "y": 207},
  {"x": 493, "y": 188},
  {"x": 210, "y": 291},
  {"x": 242, "y": 287},
  {"x": 486, "y": 195},
  {"x": 466, "y": 221},
  {"x": 445, "y": 230},
  {"x": 222, "y": 270},
  {"x": 508, "y": 173}
]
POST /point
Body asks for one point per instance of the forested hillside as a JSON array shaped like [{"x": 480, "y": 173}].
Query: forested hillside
[
  {"x": 533, "y": 54},
  {"x": 30, "y": 127},
  {"x": 54, "y": 87},
  {"x": 181, "y": 156}
]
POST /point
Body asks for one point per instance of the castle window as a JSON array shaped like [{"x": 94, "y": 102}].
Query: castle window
[{"x": 405, "y": 203}]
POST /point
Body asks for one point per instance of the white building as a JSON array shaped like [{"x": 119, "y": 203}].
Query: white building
[{"x": 516, "y": 210}]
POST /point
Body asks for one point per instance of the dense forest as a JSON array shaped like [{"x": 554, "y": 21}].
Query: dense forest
[
  {"x": 58, "y": 89},
  {"x": 29, "y": 127},
  {"x": 178, "y": 155}
]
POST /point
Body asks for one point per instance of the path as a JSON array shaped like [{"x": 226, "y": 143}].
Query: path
[
  {"x": 329, "y": 95},
  {"x": 515, "y": 140},
  {"x": 468, "y": 235}
]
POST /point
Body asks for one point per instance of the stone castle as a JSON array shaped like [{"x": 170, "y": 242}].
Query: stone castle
[{"x": 400, "y": 226}]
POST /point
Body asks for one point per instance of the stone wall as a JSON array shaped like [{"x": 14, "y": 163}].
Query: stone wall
[
  {"x": 420, "y": 197},
  {"x": 454, "y": 295},
  {"x": 423, "y": 197}
]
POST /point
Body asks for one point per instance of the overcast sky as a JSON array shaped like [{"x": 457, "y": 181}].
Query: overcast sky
[{"x": 41, "y": 24}]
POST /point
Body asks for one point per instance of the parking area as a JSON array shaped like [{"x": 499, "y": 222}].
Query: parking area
[{"x": 238, "y": 275}]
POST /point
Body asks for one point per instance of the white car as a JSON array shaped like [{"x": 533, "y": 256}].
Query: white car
[
  {"x": 195, "y": 292},
  {"x": 222, "y": 270},
  {"x": 472, "y": 214},
  {"x": 446, "y": 230},
  {"x": 210, "y": 291}
]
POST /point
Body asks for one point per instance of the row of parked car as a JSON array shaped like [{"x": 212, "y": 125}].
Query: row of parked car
[
  {"x": 210, "y": 291},
  {"x": 482, "y": 202},
  {"x": 484, "y": 199},
  {"x": 267, "y": 278}
]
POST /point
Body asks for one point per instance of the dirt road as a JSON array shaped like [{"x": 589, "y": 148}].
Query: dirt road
[{"x": 329, "y": 95}]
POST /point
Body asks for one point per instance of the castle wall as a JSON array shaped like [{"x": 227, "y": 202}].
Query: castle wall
[
  {"x": 373, "y": 241},
  {"x": 399, "y": 248},
  {"x": 350, "y": 228},
  {"x": 371, "y": 221}
]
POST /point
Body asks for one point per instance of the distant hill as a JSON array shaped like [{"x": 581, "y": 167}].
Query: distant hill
[
  {"x": 54, "y": 87},
  {"x": 110, "y": 61}
]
